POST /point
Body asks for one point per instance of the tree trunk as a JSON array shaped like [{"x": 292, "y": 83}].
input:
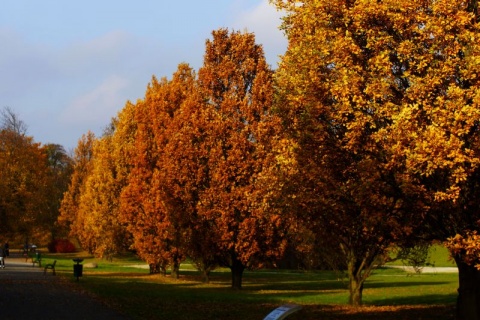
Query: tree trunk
[
  {"x": 237, "y": 273},
  {"x": 356, "y": 279},
  {"x": 157, "y": 268},
  {"x": 468, "y": 300},
  {"x": 206, "y": 275},
  {"x": 355, "y": 287},
  {"x": 154, "y": 268},
  {"x": 175, "y": 273}
]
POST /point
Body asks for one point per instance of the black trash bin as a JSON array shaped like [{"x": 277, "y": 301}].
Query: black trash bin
[{"x": 77, "y": 268}]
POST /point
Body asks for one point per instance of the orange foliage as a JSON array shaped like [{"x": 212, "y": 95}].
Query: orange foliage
[
  {"x": 24, "y": 180},
  {"x": 71, "y": 217},
  {"x": 466, "y": 247},
  {"x": 154, "y": 218},
  {"x": 382, "y": 99},
  {"x": 240, "y": 134},
  {"x": 202, "y": 150}
]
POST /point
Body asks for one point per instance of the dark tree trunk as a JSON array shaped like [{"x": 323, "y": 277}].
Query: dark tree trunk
[
  {"x": 356, "y": 279},
  {"x": 237, "y": 273},
  {"x": 206, "y": 275},
  {"x": 356, "y": 291},
  {"x": 468, "y": 300},
  {"x": 154, "y": 268},
  {"x": 175, "y": 273},
  {"x": 157, "y": 268}
]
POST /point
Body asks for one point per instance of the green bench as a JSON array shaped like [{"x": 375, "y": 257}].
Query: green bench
[{"x": 50, "y": 266}]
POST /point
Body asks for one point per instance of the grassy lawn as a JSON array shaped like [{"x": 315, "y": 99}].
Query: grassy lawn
[
  {"x": 437, "y": 256},
  {"x": 389, "y": 293}
]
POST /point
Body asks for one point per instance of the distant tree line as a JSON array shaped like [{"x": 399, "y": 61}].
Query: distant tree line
[{"x": 33, "y": 178}]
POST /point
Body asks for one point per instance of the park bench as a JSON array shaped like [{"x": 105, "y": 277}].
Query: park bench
[
  {"x": 50, "y": 266},
  {"x": 37, "y": 258},
  {"x": 283, "y": 312}
]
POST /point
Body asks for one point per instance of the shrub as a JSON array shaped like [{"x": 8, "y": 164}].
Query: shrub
[{"x": 61, "y": 246}]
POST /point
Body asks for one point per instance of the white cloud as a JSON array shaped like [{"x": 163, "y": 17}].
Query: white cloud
[
  {"x": 264, "y": 20},
  {"x": 107, "y": 51},
  {"x": 81, "y": 75},
  {"x": 98, "y": 105}
]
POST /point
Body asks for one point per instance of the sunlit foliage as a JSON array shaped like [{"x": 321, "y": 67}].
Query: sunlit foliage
[
  {"x": 382, "y": 98},
  {"x": 71, "y": 217}
]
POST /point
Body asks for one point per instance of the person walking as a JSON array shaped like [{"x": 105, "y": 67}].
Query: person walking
[
  {"x": 7, "y": 249},
  {"x": 2, "y": 257}
]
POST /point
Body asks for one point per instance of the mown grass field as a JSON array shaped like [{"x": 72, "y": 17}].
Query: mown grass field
[{"x": 389, "y": 293}]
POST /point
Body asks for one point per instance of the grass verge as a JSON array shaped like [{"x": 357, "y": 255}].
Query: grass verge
[{"x": 389, "y": 293}]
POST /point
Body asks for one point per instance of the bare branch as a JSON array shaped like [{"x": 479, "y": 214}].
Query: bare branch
[{"x": 9, "y": 120}]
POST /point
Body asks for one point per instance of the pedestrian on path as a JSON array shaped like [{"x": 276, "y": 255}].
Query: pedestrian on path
[{"x": 2, "y": 257}]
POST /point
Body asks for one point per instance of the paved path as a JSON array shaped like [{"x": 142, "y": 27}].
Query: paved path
[
  {"x": 25, "y": 293},
  {"x": 427, "y": 269}
]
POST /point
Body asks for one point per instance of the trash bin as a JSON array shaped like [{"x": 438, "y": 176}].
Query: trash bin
[{"x": 77, "y": 268}]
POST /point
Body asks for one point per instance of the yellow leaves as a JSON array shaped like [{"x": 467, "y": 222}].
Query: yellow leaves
[
  {"x": 27, "y": 181},
  {"x": 436, "y": 151},
  {"x": 286, "y": 153},
  {"x": 381, "y": 62},
  {"x": 390, "y": 81},
  {"x": 466, "y": 247}
]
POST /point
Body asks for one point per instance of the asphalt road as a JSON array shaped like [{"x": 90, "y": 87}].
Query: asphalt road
[{"x": 26, "y": 293}]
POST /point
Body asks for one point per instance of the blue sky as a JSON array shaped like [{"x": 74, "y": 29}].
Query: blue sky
[{"x": 69, "y": 67}]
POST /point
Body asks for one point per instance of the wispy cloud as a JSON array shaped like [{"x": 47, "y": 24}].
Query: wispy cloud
[
  {"x": 264, "y": 20},
  {"x": 104, "y": 54},
  {"x": 98, "y": 105},
  {"x": 67, "y": 74}
]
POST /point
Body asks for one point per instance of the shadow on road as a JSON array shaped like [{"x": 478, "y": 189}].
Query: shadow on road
[{"x": 26, "y": 293}]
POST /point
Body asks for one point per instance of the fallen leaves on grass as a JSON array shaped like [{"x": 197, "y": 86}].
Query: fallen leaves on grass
[{"x": 419, "y": 312}]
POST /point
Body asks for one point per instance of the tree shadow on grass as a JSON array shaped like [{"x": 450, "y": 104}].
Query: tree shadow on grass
[{"x": 144, "y": 299}]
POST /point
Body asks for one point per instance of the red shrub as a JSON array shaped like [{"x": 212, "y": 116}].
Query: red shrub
[{"x": 61, "y": 246}]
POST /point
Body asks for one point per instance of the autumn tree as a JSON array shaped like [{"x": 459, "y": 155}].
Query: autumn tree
[
  {"x": 33, "y": 179},
  {"x": 90, "y": 209},
  {"x": 182, "y": 175},
  {"x": 60, "y": 167},
  {"x": 123, "y": 140},
  {"x": 24, "y": 176},
  {"x": 99, "y": 203},
  {"x": 170, "y": 181},
  {"x": 71, "y": 218},
  {"x": 123, "y": 151},
  {"x": 434, "y": 137},
  {"x": 351, "y": 68},
  {"x": 151, "y": 217},
  {"x": 237, "y": 134}
]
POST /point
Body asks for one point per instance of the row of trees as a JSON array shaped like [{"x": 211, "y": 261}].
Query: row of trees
[
  {"x": 33, "y": 178},
  {"x": 365, "y": 137},
  {"x": 187, "y": 171}
]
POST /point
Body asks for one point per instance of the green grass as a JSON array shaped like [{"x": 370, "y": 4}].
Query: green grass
[
  {"x": 438, "y": 257},
  {"x": 323, "y": 296},
  {"x": 125, "y": 263}
]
